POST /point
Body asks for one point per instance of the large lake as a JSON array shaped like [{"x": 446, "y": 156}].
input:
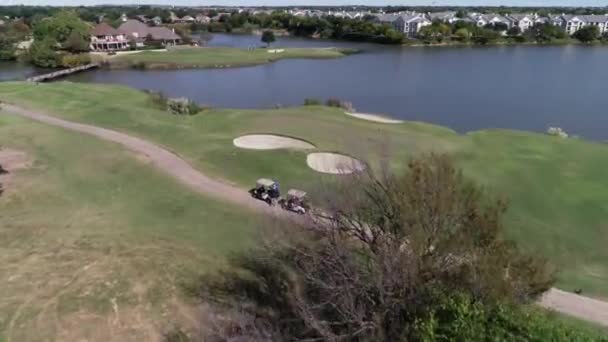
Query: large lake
[{"x": 524, "y": 87}]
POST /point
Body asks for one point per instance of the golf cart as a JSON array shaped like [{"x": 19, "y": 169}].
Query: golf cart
[
  {"x": 266, "y": 190},
  {"x": 295, "y": 202}
]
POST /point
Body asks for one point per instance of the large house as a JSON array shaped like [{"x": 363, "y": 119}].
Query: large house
[
  {"x": 106, "y": 38},
  {"x": 446, "y": 17},
  {"x": 141, "y": 33},
  {"x": 482, "y": 20},
  {"x": 573, "y": 23},
  {"x": 409, "y": 23},
  {"x": 522, "y": 21}
]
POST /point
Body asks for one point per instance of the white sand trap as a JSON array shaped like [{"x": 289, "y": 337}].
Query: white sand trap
[
  {"x": 374, "y": 118},
  {"x": 270, "y": 142},
  {"x": 334, "y": 163},
  {"x": 13, "y": 160}
]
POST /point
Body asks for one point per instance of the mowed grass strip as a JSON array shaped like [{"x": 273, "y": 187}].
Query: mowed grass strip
[
  {"x": 557, "y": 192},
  {"x": 98, "y": 245},
  {"x": 213, "y": 57}
]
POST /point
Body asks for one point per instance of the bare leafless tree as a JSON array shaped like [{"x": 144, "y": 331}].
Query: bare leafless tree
[{"x": 374, "y": 258}]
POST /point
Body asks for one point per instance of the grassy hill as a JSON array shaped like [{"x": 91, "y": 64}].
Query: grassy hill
[
  {"x": 97, "y": 245},
  {"x": 557, "y": 191}
]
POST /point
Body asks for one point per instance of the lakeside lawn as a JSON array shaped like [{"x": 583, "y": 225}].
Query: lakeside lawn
[
  {"x": 96, "y": 245},
  {"x": 217, "y": 57},
  {"x": 557, "y": 189}
]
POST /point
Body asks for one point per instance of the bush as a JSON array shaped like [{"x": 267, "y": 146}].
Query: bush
[
  {"x": 42, "y": 53},
  {"x": 157, "y": 99},
  {"x": 463, "y": 319},
  {"x": 587, "y": 34},
  {"x": 76, "y": 43},
  {"x": 312, "y": 102},
  {"x": 558, "y": 132},
  {"x": 182, "y": 106},
  {"x": 138, "y": 65},
  {"x": 333, "y": 102},
  {"x": 71, "y": 61},
  {"x": 408, "y": 257}
]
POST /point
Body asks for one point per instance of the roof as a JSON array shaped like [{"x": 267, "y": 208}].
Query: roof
[
  {"x": 104, "y": 29},
  {"x": 132, "y": 26},
  {"x": 162, "y": 33},
  {"x": 519, "y": 16},
  {"x": 441, "y": 15},
  {"x": 136, "y": 28},
  {"x": 388, "y": 18},
  {"x": 265, "y": 182},
  {"x": 594, "y": 18},
  {"x": 493, "y": 17}
]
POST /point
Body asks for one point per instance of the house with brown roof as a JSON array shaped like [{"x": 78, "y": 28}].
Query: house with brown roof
[
  {"x": 142, "y": 33},
  {"x": 106, "y": 38}
]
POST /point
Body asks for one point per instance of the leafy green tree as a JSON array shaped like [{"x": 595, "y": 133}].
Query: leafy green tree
[
  {"x": 587, "y": 34},
  {"x": 60, "y": 27},
  {"x": 7, "y": 48},
  {"x": 76, "y": 43},
  {"x": 484, "y": 36},
  {"x": 436, "y": 31},
  {"x": 42, "y": 53},
  {"x": 268, "y": 37},
  {"x": 545, "y": 33},
  {"x": 514, "y": 31},
  {"x": 462, "y": 34}
]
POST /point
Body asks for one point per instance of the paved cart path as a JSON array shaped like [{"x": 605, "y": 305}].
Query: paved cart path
[{"x": 565, "y": 302}]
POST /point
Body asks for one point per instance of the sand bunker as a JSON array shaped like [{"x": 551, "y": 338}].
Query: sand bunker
[
  {"x": 374, "y": 118},
  {"x": 334, "y": 163},
  {"x": 13, "y": 160},
  {"x": 270, "y": 142}
]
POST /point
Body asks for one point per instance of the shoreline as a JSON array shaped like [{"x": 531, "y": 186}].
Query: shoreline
[{"x": 212, "y": 57}]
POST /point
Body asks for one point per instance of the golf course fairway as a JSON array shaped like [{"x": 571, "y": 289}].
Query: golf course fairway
[{"x": 557, "y": 192}]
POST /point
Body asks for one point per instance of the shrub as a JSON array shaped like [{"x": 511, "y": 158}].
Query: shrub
[
  {"x": 42, "y": 53},
  {"x": 138, "y": 65},
  {"x": 558, "y": 132},
  {"x": 157, "y": 99},
  {"x": 333, "y": 102},
  {"x": 587, "y": 34},
  {"x": 414, "y": 256},
  {"x": 463, "y": 319},
  {"x": 76, "y": 42},
  {"x": 71, "y": 61},
  {"x": 312, "y": 102},
  {"x": 182, "y": 106}
]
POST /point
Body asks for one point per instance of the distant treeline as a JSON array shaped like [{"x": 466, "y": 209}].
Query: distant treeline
[{"x": 91, "y": 13}]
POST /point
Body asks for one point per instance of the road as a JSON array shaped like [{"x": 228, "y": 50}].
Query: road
[{"x": 582, "y": 307}]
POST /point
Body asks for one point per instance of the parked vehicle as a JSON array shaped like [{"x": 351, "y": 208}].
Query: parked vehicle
[
  {"x": 295, "y": 202},
  {"x": 266, "y": 190}
]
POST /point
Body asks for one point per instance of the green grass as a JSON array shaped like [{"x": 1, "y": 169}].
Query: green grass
[
  {"x": 97, "y": 245},
  {"x": 216, "y": 57},
  {"x": 557, "y": 188},
  {"x": 580, "y": 325}
]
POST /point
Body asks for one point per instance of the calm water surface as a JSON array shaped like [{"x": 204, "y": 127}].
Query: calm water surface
[
  {"x": 527, "y": 88},
  {"x": 12, "y": 71}
]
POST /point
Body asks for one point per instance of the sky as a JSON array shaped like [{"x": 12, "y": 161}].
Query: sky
[{"x": 578, "y": 3}]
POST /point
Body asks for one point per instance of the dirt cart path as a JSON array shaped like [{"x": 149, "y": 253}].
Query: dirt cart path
[
  {"x": 565, "y": 302},
  {"x": 158, "y": 156}
]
